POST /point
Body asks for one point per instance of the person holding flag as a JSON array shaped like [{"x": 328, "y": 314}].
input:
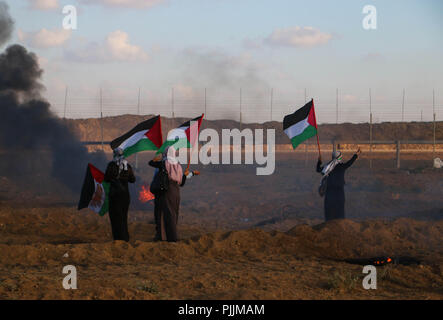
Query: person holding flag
[
  {"x": 333, "y": 184},
  {"x": 302, "y": 125},
  {"x": 169, "y": 177},
  {"x": 145, "y": 136},
  {"x": 118, "y": 174}
]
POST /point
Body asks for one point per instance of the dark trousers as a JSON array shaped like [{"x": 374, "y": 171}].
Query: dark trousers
[
  {"x": 118, "y": 215},
  {"x": 334, "y": 203},
  {"x": 166, "y": 212}
]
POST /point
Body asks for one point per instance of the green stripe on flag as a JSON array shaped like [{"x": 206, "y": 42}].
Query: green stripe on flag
[
  {"x": 141, "y": 145},
  {"x": 105, "y": 207},
  {"x": 178, "y": 144},
  {"x": 306, "y": 134}
]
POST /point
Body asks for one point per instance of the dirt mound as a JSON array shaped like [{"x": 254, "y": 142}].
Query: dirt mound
[
  {"x": 303, "y": 263},
  {"x": 342, "y": 239}
]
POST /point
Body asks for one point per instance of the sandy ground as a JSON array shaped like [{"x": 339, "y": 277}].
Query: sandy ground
[
  {"x": 242, "y": 237},
  {"x": 303, "y": 263}
]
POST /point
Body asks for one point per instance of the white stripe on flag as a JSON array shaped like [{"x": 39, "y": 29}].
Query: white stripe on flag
[
  {"x": 133, "y": 139},
  {"x": 177, "y": 133},
  {"x": 96, "y": 203},
  {"x": 297, "y": 128}
]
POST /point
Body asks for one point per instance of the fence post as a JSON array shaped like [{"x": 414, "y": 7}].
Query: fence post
[
  {"x": 172, "y": 103},
  {"x": 433, "y": 147},
  {"x": 272, "y": 98},
  {"x": 66, "y": 103},
  {"x": 370, "y": 142},
  {"x": 334, "y": 146},
  {"x": 398, "y": 154},
  {"x": 101, "y": 117},
  {"x": 138, "y": 113},
  {"x": 240, "y": 109},
  {"x": 403, "y": 107},
  {"x": 433, "y": 111},
  {"x": 336, "y": 106}
]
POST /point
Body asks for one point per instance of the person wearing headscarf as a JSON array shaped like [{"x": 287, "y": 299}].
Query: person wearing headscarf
[
  {"x": 118, "y": 174},
  {"x": 334, "y": 172},
  {"x": 167, "y": 203}
]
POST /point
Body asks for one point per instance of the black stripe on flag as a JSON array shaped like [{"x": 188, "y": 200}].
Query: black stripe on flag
[
  {"x": 145, "y": 125},
  {"x": 188, "y": 123},
  {"x": 88, "y": 190},
  {"x": 297, "y": 116}
]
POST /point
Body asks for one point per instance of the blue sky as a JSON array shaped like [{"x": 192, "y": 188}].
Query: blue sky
[{"x": 253, "y": 44}]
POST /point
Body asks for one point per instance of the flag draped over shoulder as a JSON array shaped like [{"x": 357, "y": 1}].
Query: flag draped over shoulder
[
  {"x": 301, "y": 125},
  {"x": 95, "y": 191},
  {"x": 147, "y": 135},
  {"x": 184, "y": 136}
]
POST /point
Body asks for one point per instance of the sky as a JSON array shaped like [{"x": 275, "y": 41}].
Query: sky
[{"x": 260, "y": 56}]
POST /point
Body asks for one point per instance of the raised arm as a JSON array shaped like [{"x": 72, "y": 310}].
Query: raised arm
[{"x": 349, "y": 163}]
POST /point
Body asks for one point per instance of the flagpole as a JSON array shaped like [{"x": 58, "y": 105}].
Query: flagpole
[
  {"x": 318, "y": 140},
  {"x": 189, "y": 160}
]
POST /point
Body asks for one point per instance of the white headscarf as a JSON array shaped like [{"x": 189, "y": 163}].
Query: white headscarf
[
  {"x": 175, "y": 171},
  {"x": 120, "y": 160},
  {"x": 336, "y": 159}
]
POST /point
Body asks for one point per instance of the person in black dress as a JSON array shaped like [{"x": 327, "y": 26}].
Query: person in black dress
[
  {"x": 167, "y": 203},
  {"x": 335, "y": 193},
  {"x": 118, "y": 174}
]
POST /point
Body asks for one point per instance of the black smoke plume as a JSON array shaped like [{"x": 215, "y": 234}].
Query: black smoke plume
[
  {"x": 33, "y": 141},
  {"x": 6, "y": 24}
]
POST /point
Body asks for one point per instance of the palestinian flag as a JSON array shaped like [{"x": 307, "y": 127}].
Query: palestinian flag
[
  {"x": 301, "y": 125},
  {"x": 147, "y": 135},
  {"x": 181, "y": 137},
  {"x": 95, "y": 191}
]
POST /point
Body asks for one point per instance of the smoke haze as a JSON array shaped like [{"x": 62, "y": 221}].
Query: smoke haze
[{"x": 36, "y": 141}]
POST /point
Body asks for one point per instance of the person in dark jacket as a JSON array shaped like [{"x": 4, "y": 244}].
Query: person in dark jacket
[
  {"x": 334, "y": 172},
  {"x": 167, "y": 203},
  {"x": 119, "y": 173}
]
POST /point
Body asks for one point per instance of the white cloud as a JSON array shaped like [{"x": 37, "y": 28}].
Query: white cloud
[
  {"x": 298, "y": 37},
  {"x": 138, "y": 4},
  {"x": 121, "y": 49},
  {"x": 43, "y": 4},
  {"x": 44, "y": 38},
  {"x": 116, "y": 47}
]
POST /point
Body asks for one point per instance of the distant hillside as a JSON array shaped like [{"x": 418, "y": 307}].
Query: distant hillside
[{"x": 89, "y": 129}]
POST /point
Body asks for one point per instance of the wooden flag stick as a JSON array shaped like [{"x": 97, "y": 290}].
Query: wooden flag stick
[
  {"x": 189, "y": 163},
  {"x": 316, "y": 127},
  {"x": 190, "y": 154},
  {"x": 318, "y": 144}
]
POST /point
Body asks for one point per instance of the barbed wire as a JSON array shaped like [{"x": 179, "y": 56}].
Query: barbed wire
[{"x": 244, "y": 105}]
